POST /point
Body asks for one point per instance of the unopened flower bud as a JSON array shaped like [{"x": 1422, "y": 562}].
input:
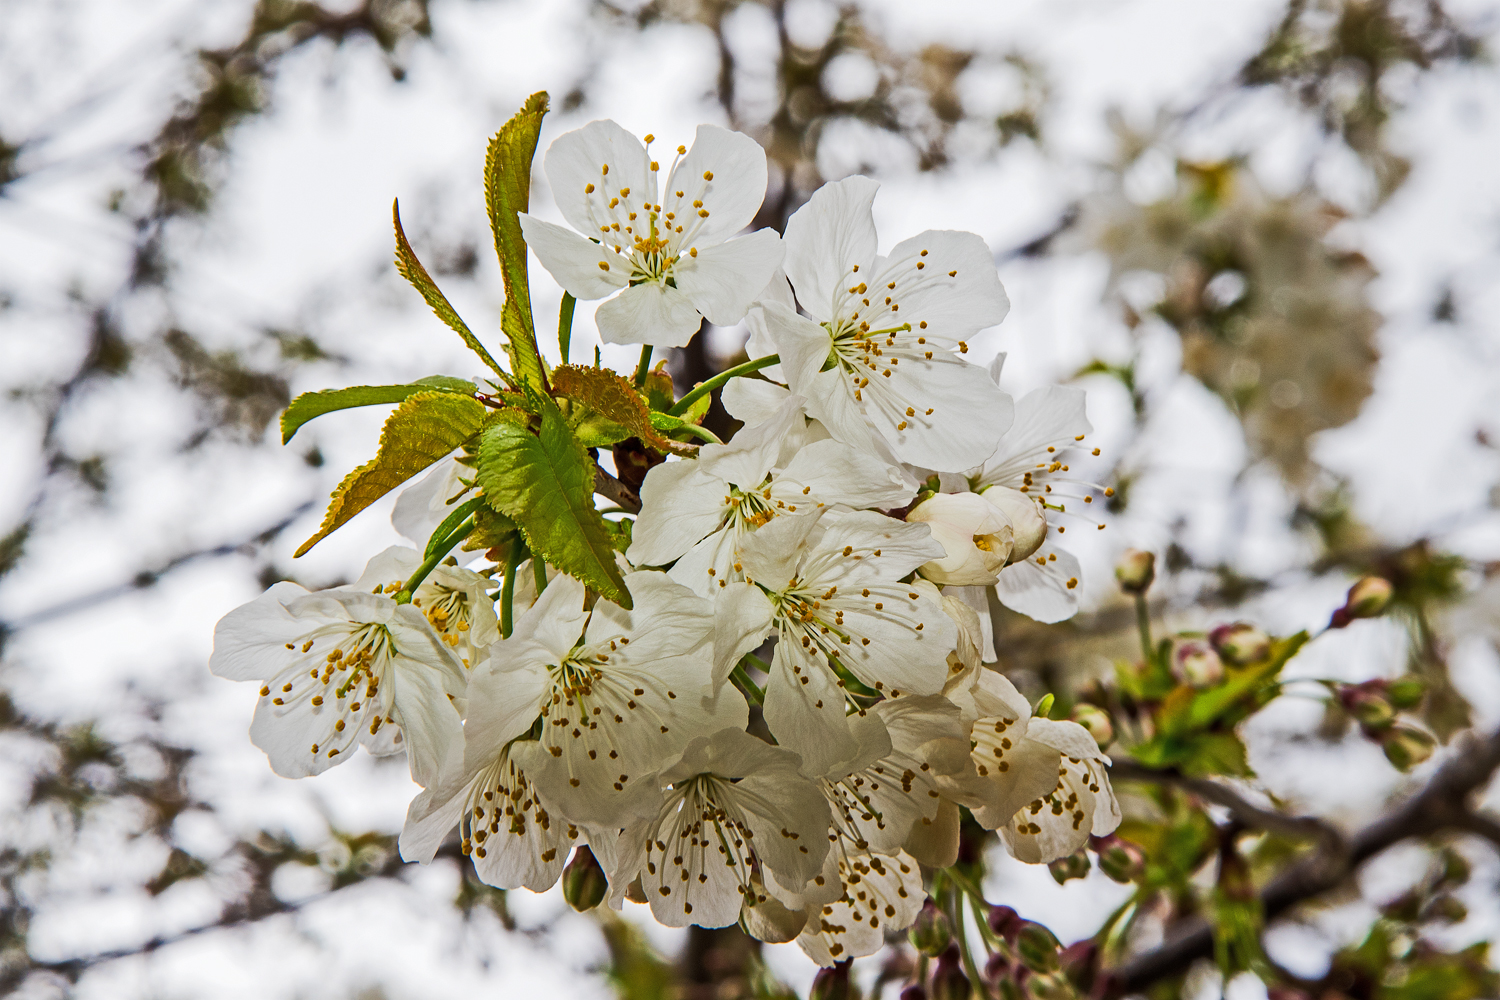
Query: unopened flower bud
[
  {"x": 1195, "y": 662},
  {"x": 948, "y": 980},
  {"x": 1367, "y": 599},
  {"x": 584, "y": 884},
  {"x": 1005, "y": 922},
  {"x": 1028, "y": 525},
  {"x": 914, "y": 992},
  {"x": 1240, "y": 643},
  {"x": 996, "y": 967},
  {"x": 1038, "y": 948},
  {"x": 930, "y": 933},
  {"x": 1370, "y": 708},
  {"x": 1119, "y": 859},
  {"x": 1406, "y": 692},
  {"x": 1456, "y": 867},
  {"x": 1075, "y": 865},
  {"x": 1135, "y": 571},
  {"x": 1096, "y": 720},
  {"x": 1406, "y": 747},
  {"x": 1447, "y": 909},
  {"x": 832, "y": 983}
]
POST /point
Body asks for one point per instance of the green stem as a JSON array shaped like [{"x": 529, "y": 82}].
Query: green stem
[
  {"x": 741, "y": 679},
  {"x": 644, "y": 367},
  {"x": 508, "y": 589},
  {"x": 539, "y": 573},
  {"x": 961, "y": 933},
  {"x": 434, "y": 556},
  {"x": 565, "y": 325},
  {"x": 1143, "y": 623},
  {"x": 704, "y": 388},
  {"x": 700, "y": 432}
]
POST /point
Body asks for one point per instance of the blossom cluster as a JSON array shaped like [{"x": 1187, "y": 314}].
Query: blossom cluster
[{"x": 881, "y": 492}]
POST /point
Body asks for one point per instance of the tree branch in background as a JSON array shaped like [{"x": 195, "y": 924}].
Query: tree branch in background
[{"x": 1441, "y": 805}]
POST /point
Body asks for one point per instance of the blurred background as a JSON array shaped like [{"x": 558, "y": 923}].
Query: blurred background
[{"x": 1264, "y": 235}]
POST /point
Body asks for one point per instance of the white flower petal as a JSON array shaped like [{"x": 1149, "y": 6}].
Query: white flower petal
[
  {"x": 826, "y": 238},
  {"x": 1052, "y": 416},
  {"x": 429, "y": 819},
  {"x": 708, "y": 566},
  {"x": 575, "y": 162},
  {"x": 395, "y": 564},
  {"x": 771, "y": 553},
  {"x": 421, "y": 507},
  {"x": 954, "y": 307},
  {"x": 1039, "y": 587},
  {"x": 518, "y": 839},
  {"x": 722, "y": 280},
  {"x": 648, "y": 313},
  {"x": 747, "y": 459},
  {"x": 804, "y": 709},
  {"x": 753, "y": 400},
  {"x": 248, "y": 641},
  {"x": 881, "y": 895},
  {"x": 573, "y": 261},
  {"x": 424, "y": 676},
  {"x": 731, "y": 197},
  {"x": 506, "y": 692},
  {"x": 742, "y": 620},
  {"x": 680, "y": 504},
  {"x": 834, "y": 474}
]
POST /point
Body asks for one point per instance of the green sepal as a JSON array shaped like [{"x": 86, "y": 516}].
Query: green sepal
[
  {"x": 412, "y": 270},
  {"x": 492, "y": 530},
  {"x": 507, "y": 191},
  {"x": 314, "y": 404},
  {"x": 544, "y": 481},
  {"x": 422, "y": 430}
]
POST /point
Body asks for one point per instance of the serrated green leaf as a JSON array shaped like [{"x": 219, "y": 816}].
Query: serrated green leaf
[
  {"x": 595, "y": 431},
  {"x": 412, "y": 270},
  {"x": 610, "y": 395},
  {"x": 544, "y": 482},
  {"x": 507, "y": 191},
  {"x": 314, "y": 404},
  {"x": 424, "y": 428}
]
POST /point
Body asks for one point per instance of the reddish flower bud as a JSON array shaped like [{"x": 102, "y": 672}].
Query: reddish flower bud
[
  {"x": 1240, "y": 643},
  {"x": 1135, "y": 571}
]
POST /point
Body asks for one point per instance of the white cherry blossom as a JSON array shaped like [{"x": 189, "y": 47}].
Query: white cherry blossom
[
  {"x": 830, "y": 586},
  {"x": 341, "y": 667},
  {"x": 1041, "y": 783},
  {"x": 455, "y": 600},
  {"x": 880, "y": 894},
  {"x": 697, "y": 512},
  {"x": 669, "y": 249},
  {"x": 735, "y": 809},
  {"x": 875, "y": 353},
  {"x": 613, "y": 692},
  {"x": 423, "y": 505}
]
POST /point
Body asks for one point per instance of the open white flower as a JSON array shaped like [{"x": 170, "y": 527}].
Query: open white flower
[
  {"x": 877, "y": 354},
  {"x": 340, "y": 667},
  {"x": 735, "y": 809},
  {"x": 455, "y": 600},
  {"x": 830, "y": 586},
  {"x": 880, "y": 894},
  {"x": 614, "y": 692},
  {"x": 670, "y": 249},
  {"x": 976, "y": 538},
  {"x": 698, "y": 512},
  {"x": 1041, "y": 783}
]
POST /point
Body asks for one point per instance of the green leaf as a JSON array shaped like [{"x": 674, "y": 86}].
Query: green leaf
[
  {"x": 610, "y": 395},
  {"x": 544, "y": 482},
  {"x": 507, "y": 191},
  {"x": 424, "y": 428},
  {"x": 492, "y": 530},
  {"x": 450, "y": 524},
  {"x": 412, "y": 270},
  {"x": 314, "y": 404}
]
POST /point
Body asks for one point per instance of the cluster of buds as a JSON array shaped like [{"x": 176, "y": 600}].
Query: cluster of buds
[{"x": 1375, "y": 704}]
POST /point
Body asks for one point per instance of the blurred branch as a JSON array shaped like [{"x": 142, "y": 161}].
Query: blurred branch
[
  {"x": 1441, "y": 805},
  {"x": 1240, "y": 809},
  {"x": 148, "y": 577}
]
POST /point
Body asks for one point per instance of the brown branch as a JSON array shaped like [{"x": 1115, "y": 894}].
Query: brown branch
[
  {"x": 1441, "y": 805},
  {"x": 608, "y": 486},
  {"x": 1243, "y": 811}
]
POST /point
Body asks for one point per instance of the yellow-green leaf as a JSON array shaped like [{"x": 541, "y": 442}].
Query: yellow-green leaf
[
  {"x": 412, "y": 270},
  {"x": 610, "y": 395},
  {"x": 544, "y": 481},
  {"x": 314, "y": 404},
  {"x": 425, "y": 428},
  {"x": 507, "y": 191}
]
